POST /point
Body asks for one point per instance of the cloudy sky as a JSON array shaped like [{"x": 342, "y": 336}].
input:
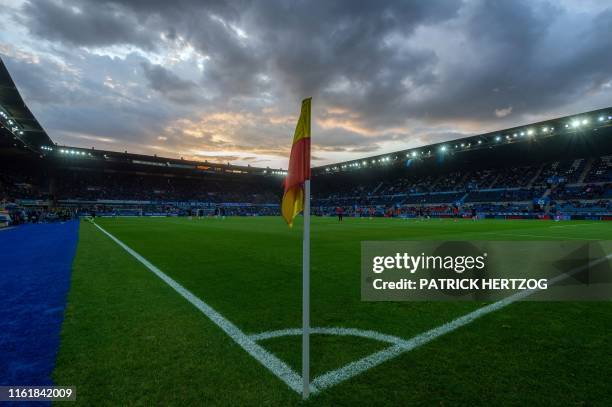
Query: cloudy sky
[{"x": 222, "y": 81}]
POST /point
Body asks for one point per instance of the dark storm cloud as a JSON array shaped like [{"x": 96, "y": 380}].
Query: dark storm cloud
[
  {"x": 314, "y": 46},
  {"x": 167, "y": 83},
  {"x": 528, "y": 56},
  {"x": 85, "y": 24}
]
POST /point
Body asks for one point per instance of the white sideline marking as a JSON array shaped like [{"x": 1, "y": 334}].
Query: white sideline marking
[
  {"x": 274, "y": 364},
  {"x": 354, "y": 368}
]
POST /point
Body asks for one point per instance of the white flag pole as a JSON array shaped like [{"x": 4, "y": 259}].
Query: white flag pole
[{"x": 306, "y": 293}]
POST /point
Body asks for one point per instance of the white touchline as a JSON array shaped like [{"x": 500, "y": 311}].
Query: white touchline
[
  {"x": 334, "y": 377},
  {"x": 274, "y": 364},
  {"x": 354, "y": 368}
]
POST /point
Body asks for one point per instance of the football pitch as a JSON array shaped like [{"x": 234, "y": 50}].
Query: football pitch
[{"x": 220, "y": 327}]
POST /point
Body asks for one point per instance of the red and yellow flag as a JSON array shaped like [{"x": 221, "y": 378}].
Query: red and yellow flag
[{"x": 299, "y": 167}]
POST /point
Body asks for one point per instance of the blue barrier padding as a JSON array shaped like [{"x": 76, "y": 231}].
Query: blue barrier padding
[{"x": 35, "y": 268}]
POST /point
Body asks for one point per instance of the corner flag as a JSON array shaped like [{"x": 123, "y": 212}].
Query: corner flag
[
  {"x": 299, "y": 167},
  {"x": 295, "y": 200}
]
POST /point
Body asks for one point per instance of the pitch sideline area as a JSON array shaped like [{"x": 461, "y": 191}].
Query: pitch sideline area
[{"x": 459, "y": 314}]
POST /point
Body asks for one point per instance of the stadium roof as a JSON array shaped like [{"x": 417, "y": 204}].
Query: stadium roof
[
  {"x": 574, "y": 124},
  {"x": 78, "y": 155},
  {"x": 15, "y": 116}
]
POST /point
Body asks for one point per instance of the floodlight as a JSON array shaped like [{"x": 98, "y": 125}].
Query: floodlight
[
  {"x": 585, "y": 121},
  {"x": 443, "y": 148},
  {"x": 497, "y": 138},
  {"x": 575, "y": 123},
  {"x": 601, "y": 118},
  {"x": 479, "y": 141},
  {"x": 414, "y": 153},
  {"x": 530, "y": 132}
]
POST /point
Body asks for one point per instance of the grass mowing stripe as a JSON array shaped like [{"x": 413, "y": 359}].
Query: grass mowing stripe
[{"x": 275, "y": 365}]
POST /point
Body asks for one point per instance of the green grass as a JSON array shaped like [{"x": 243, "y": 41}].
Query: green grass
[{"x": 129, "y": 339}]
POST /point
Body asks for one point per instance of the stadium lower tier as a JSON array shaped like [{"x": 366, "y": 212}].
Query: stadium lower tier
[{"x": 32, "y": 211}]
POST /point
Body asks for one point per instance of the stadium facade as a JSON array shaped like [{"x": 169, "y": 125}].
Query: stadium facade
[{"x": 558, "y": 168}]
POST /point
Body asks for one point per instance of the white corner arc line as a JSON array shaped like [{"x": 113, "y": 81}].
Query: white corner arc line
[
  {"x": 271, "y": 362},
  {"x": 362, "y": 333},
  {"x": 354, "y": 368}
]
